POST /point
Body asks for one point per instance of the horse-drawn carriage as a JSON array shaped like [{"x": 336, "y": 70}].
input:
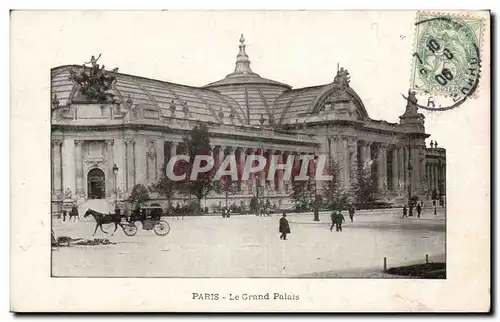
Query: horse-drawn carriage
[{"x": 150, "y": 218}]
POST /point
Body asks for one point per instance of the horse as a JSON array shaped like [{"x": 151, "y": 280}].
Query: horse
[{"x": 102, "y": 219}]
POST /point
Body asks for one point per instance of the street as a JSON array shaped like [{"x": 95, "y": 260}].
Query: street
[{"x": 249, "y": 246}]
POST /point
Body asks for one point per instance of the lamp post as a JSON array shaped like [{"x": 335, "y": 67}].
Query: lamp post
[{"x": 115, "y": 174}]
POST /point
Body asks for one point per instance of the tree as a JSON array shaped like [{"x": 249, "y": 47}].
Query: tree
[
  {"x": 254, "y": 204},
  {"x": 364, "y": 187},
  {"x": 332, "y": 194},
  {"x": 226, "y": 187},
  {"x": 165, "y": 187},
  {"x": 139, "y": 194},
  {"x": 197, "y": 142},
  {"x": 303, "y": 191}
]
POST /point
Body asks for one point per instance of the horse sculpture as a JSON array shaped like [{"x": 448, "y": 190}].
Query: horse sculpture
[
  {"x": 80, "y": 78},
  {"x": 102, "y": 219}
]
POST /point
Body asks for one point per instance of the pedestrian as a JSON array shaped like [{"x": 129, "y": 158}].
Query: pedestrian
[
  {"x": 339, "y": 219},
  {"x": 65, "y": 213},
  {"x": 405, "y": 211},
  {"x": 284, "y": 227},
  {"x": 419, "y": 210},
  {"x": 74, "y": 212},
  {"x": 351, "y": 212},
  {"x": 333, "y": 218}
]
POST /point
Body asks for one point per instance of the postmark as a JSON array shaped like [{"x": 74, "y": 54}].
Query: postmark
[{"x": 446, "y": 59}]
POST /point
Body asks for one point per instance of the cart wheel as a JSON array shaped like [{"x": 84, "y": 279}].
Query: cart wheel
[
  {"x": 162, "y": 228},
  {"x": 130, "y": 229}
]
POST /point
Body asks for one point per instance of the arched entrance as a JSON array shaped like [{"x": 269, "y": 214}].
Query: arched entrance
[{"x": 96, "y": 184}]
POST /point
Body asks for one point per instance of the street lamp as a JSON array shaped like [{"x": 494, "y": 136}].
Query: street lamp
[{"x": 115, "y": 173}]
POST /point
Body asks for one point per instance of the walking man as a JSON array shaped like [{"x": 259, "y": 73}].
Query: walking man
[
  {"x": 351, "y": 212},
  {"x": 419, "y": 210},
  {"x": 74, "y": 212},
  {"x": 333, "y": 217},
  {"x": 405, "y": 211},
  {"x": 338, "y": 220},
  {"x": 284, "y": 227}
]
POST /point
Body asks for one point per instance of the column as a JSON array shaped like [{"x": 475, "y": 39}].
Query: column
[
  {"x": 395, "y": 179},
  {"x": 381, "y": 167},
  {"x": 368, "y": 150},
  {"x": 251, "y": 183},
  {"x": 68, "y": 166},
  {"x": 279, "y": 173},
  {"x": 343, "y": 161},
  {"x": 407, "y": 178},
  {"x": 160, "y": 158},
  {"x": 270, "y": 153},
  {"x": 436, "y": 177},
  {"x": 431, "y": 177},
  {"x": 362, "y": 151},
  {"x": 414, "y": 173},
  {"x": 353, "y": 157},
  {"x": 140, "y": 150},
  {"x": 430, "y": 180},
  {"x": 57, "y": 167},
  {"x": 422, "y": 169},
  {"x": 110, "y": 177},
  {"x": 401, "y": 168},
  {"x": 243, "y": 184},
  {"x": 428, "y": 175},
  {"x": 231, "y": 151},
  {"x": 417, "y": 169},
  {"x": 262, "y": 174},
  {"x": 340, "y": 161},
  {"x": 287, "y": 181},
  {"x": 130, "y": 163},
  {"x": 333, "y": 150},
  {"x": 220, "y": 156},
  {"x": 151, "y": 161},
  {"x": 79, "y": 169},
  {"x": 173, "y": 148}
]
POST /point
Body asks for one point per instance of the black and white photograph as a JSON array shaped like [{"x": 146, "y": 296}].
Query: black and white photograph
[{"x": 256, "y": 145}]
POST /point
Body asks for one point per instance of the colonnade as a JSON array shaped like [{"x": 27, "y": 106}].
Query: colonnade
[{"x": 141, "y": 161}]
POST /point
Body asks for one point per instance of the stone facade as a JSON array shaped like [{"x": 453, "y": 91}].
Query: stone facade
[{"x": 143, "y": 126}]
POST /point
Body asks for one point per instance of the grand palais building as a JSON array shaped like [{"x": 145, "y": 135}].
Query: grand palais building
[{"x": 111, "y": 131}]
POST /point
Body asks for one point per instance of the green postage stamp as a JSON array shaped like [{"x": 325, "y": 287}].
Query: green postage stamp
[{"x": 446, "y": 57}]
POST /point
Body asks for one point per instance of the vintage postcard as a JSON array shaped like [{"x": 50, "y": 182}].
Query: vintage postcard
[{"x": 255, "y": 161}]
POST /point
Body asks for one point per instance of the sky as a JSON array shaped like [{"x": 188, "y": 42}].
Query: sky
[{"x": 300, "y": 48}]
